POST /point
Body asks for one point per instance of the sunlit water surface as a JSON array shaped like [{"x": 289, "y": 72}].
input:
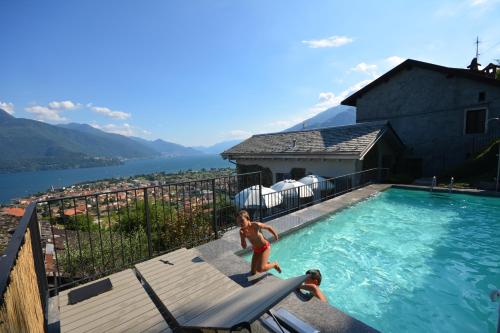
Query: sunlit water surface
[{"x": 406, "y": 261}]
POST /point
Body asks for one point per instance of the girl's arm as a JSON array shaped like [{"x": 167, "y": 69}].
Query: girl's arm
[
  {"x": 243, "y": 240},
  {"x": 268, "y": 228}
]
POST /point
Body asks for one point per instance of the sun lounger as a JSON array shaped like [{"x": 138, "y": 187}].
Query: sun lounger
[
  {"x": 198, "y": 296},
  {"x": 242, "y": 308},
  {"x": 117, "y": 303}
]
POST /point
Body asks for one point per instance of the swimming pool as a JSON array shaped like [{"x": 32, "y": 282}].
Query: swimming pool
[{"x": 405, "y": 260}]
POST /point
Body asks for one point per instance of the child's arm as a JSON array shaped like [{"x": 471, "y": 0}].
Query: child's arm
[
  {"x": 243, "y": 240},
  {"x": 268, "y": 228},
  {"x": 315, "y": 291}
]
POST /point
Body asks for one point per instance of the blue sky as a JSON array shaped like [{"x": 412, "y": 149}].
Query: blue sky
[{"x": 200, "y": 72}]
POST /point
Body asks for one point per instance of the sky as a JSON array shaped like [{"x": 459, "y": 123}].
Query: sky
[{"x": 205, "y": 71}]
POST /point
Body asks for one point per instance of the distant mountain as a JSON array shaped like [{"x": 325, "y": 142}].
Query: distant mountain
[
  {"x": 218, "y": 147},
  {"x": 168, "y": 148},
  {"x": 27, "y": 144},
  {"x": 336, "y": 116},
  {"x": 111, "y": 144}
]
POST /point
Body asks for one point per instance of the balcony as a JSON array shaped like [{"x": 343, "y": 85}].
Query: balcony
[{"x": 107, "y": 261}]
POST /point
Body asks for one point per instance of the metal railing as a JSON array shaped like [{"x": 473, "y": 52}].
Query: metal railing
[
  {"x": 80, "y": 238},
  {"x": 30, "y": 282},
  {"x": 284, "y": 202},
  {"x": 479, "y": 141},
  {"x": 93, "y": 235}
]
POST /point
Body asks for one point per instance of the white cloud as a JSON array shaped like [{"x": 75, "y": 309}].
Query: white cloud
[
  {"x": 334, "y": 41},
  {"x": 44, "y": 113},
  {"x": 482, "y": 3},
  {"x": 64, "y": 105},
  {"x": 326, "y": 100},
  {"x": 7, "y": 107},
  {"x": 110, "y": 113},
  {"x": 393, "y": 61},
  {"x": 52, "y": 112},
  {"x": 474, "y": 8},
  {"x": 122, "y": 129},
  {"x": 237, "y": 134},
  {"x": 370, "y": 69}
]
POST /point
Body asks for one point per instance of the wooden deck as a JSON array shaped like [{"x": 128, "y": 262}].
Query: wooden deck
[
  {"x": 180, "y": 279},
  {"x": 125, "y": 308}
]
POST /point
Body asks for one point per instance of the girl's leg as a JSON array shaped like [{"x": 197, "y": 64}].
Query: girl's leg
[
  {"x": 255, "y": 260},
  {"x": 263, "y": 265}
]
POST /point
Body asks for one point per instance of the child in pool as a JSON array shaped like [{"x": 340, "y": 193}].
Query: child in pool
[
  {"x": 311, "y": 284},
  {"x": 261, "y": 246}
]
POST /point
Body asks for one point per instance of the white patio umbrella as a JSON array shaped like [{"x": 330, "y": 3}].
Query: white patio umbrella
[
  {"x": 316, "y": 182},
  {"x": 249, "y": 197},
  {"x": 292, "y": 188}
]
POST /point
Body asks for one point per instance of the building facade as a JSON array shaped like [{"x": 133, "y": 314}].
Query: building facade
[{"x": 441, "y": 114}]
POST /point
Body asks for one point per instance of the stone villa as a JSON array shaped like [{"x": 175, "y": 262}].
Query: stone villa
[{"x": 417, "y": 118}]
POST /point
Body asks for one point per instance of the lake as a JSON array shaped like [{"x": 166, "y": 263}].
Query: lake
[{"x": 20, "y": 184}]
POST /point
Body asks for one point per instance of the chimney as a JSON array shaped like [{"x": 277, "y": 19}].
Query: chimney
[{"x": 474, "y": 65}]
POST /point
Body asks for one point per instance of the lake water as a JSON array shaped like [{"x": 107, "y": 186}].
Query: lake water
[{"x": 15, "y": 185}]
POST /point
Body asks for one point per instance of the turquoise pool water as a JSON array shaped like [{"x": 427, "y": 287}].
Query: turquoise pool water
[{"x": 406, "y": 261}]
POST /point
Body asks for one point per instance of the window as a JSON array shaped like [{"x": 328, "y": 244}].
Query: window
[
  {"x": 475, "y": 121},
  {"x": 482, "y": 96}
]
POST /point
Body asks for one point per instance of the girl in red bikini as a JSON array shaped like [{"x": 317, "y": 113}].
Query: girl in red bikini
[{"x": 261, "y": 246}]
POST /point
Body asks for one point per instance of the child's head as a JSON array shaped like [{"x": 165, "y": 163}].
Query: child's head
[
  {"x": 242, "y": 217},
  {"x": 314, "y": 277}
]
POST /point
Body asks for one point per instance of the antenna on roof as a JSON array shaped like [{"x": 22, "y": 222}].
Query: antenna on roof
[{"x": 477, "y": 47}]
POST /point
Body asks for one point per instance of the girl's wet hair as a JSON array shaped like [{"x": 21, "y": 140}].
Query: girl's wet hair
[{"x": 243, "y": 214}]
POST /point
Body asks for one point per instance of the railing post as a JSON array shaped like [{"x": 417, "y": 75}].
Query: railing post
[
  {"x": 298, "y": 197},
  {"x": 39, "y": 262},
  {"x": 148, "y": 223},
  {"x": 260, "y": 196},
  {"x": 214, "y": 211}
]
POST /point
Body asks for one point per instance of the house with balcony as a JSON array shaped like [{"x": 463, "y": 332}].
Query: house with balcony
[
  {"x": 440, "y": 113},
  {"x": 328, "y": 152}
]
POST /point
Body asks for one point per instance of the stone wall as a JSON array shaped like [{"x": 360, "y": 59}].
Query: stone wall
[
  {"x": 427, "y": 111},
  {"x": 321, "y": 167}
]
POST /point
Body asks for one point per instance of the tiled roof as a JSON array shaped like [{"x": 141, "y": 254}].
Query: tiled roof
[
  {"x": 340, "y": 140},
  {"x": 409, "y": 63},
  {"x": 14, "y": 211}
]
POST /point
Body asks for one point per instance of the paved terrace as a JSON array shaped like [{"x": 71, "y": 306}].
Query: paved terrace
[
  {"x": 224, "y": 254},
  {"x": 128, "y": 307}
]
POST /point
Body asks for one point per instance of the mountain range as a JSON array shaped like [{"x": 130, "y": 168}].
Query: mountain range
[
  {"x": 218, "y": 147},
  {"x": 336, "y": 116},
  {"x": 33, "y": 145}
]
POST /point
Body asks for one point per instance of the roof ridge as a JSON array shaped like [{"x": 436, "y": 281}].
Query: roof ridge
[{"x": 323, "y": 128}]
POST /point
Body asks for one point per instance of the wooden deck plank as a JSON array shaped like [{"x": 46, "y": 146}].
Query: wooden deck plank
[
  {"x": 127, "y": 307},
  {"x": 128, "y": 315},
  {"x": 144, "y": 322},
  {"x": 168, "y": 256},
  {"x": 125, "y": 296},
  {"x": 121, "y": 280},
  {"x": 99, "y": 314},
  {"x": 189, "y": 287}
]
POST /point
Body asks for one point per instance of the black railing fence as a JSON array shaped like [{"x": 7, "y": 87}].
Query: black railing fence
[
  {"x": 23, "y": 282},
  {"x": 96, "y": 234},
  {"x": 87, "y": 236},
  {"x": 283, "y": 202},
  {"x": 479, "y": 141}
]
